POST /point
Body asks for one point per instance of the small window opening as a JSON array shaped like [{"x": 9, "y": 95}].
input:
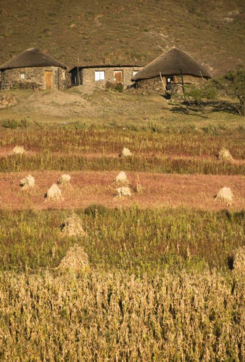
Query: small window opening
[
  {"x": 22, "y": 76},
  {"x": 99, "y": 75}
]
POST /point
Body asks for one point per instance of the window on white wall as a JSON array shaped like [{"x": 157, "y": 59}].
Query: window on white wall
[
  {"x": 22, "y": 76},
  {"x": 99, "y": 75}
]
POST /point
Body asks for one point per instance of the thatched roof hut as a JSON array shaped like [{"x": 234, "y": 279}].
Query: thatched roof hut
[
  {"x": 175, "y": 65},
  {"x": 174, "y": 62},
  {"x": 32, "y": 58},
  {"x": 33, "y": 69}
]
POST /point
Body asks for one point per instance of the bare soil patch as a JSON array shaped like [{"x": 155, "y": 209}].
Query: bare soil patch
[{"x": 159, "y": 190}]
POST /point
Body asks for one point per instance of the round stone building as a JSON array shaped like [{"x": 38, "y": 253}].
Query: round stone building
[
  {"x": 171, "y": 69},
  {"x": 33, "y": 69}
]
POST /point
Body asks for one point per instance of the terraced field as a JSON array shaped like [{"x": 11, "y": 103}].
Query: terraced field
[{"x": 164, "y": 275}]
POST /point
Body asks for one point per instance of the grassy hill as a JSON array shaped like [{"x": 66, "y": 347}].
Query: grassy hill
[{"x": 125, "y": 31}]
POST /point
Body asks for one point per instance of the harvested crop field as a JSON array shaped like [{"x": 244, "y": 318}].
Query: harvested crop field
[
  {"x": 90, "y": 274},
  {"x": 85, "y": 188}
]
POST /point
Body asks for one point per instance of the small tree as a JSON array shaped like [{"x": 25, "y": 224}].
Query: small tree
[
  {"x": 198, "y": 94},
  {"x": 233, "y": 83}
]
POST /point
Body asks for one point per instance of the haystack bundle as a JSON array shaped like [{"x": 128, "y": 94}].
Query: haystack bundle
[
  {"x": 18, "y": 150},
  {"x": 72, "y": 226},
  {"x": 27, "y": 182},
  {"x": 122, "y": 179},
  {"x": 64, "y": 179},
  {"x": 123, "y": 191},
  {"x": 125, "y": 153},
  {"x": 239, "y": 260},
  {"x": 225, "y": 194},
  {"x": 54, "y": 193},
  {"x": 224, "y": 155},
  {"x": 76, "y": 260}
]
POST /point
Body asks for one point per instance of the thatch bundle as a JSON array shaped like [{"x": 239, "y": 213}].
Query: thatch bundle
[
  {"x": 54, "y": 193},
  {"x": 27, "y": 182},
  {"x": 72, "y": 226},
  {"x": 123, "y": 191},
  {"x": 224, "y": 155},
  {"x": 125, "y": 153},
  {"x": 75, "y": 260},
  {"x": 225, "y": 194},
  {"x": 239, "y": 260},
  {"x": 18, "y": 150},
  {"x": 122, "y": 179},
  {"x": 64, "y": 179}
]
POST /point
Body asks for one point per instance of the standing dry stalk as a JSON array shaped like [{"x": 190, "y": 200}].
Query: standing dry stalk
[{"x": 138, "y": 186}]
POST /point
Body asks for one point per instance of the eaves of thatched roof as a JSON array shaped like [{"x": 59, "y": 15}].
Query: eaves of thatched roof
[
  {"x": 32, "y": 58},
  {"x": 174, "y": 62}
]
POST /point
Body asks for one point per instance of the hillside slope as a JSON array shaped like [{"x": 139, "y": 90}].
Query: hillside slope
[{"x": 125, "y": 31}]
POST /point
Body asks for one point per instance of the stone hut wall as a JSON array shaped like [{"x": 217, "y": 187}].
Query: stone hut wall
[
  {"x": 34, "y": 78},
  {"x": 87, "y": 75},
  {"x": 155, "y": 85}
]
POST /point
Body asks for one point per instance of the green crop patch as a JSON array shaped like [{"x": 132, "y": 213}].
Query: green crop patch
[{"x": 131, "y": 239}]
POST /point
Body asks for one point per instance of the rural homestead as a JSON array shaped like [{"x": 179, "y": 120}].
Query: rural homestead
[
  {"x": 175, "y": 67},
  {"x": 102, "y": 74},
  {"x": 33, "y": 69}
]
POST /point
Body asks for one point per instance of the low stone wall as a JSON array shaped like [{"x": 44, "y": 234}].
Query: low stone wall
[{"x": 33, "y": 78}]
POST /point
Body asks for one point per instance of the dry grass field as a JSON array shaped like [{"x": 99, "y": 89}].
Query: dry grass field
[{"x": 161, "y": 272}]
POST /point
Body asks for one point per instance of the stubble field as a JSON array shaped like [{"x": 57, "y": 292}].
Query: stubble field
[{"x": 165, "y": 279}]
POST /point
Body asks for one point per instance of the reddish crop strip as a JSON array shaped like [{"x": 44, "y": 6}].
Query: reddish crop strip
[{"x": 192, "y": 191}]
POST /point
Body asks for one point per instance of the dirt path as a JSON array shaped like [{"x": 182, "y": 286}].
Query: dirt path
[{"x": 192, "y": 191}]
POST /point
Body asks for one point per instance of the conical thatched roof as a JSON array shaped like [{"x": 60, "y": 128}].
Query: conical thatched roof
[
  {"x": 32, "y": 58},
  {"x": 174, "y": 62}
]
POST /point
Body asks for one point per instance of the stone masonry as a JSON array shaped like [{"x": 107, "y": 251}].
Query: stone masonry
[
  {"x": 156, "y": 85},
  {"x": 87, "y": 75},
  {"x": 32, "y": 78}
]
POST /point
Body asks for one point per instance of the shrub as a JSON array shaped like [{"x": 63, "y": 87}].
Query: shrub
[
  {"x": 13, "y": 123},
  {"x": 95, "y": 209},
  {"x": 118, "y": 87},
  {"x": 198, "y": 94},
  {"x": 233, "y": 84}
]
